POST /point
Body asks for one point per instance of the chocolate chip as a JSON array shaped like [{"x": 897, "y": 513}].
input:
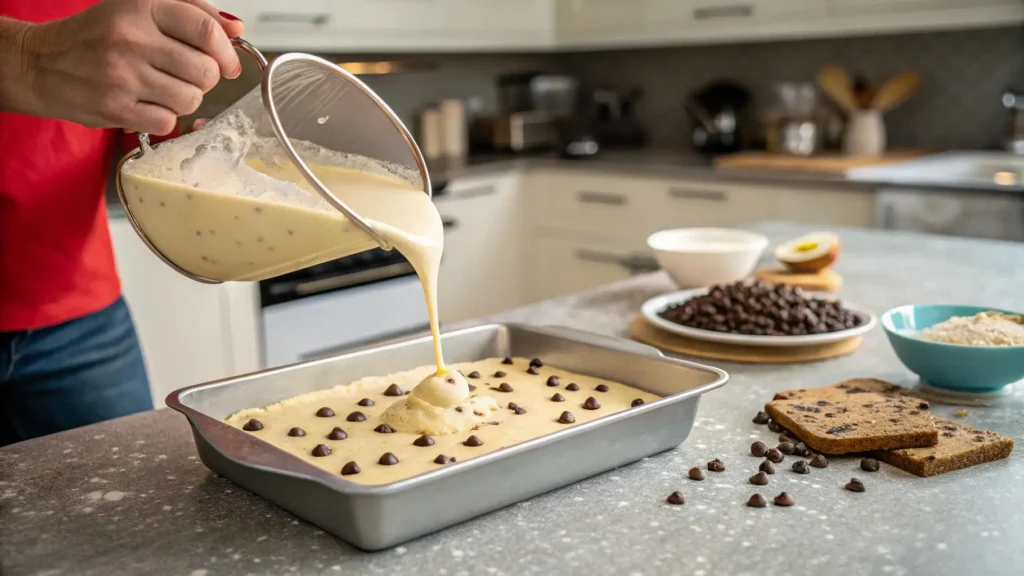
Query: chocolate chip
[
  {"x": 520, "y": 410},
  {"x": 767, "y": 467},
  {"x": 473, "y": 374},
  {"x": 819, "y": 461},
  {"x": 442, "y": 459},
  {"x": 572, "y": 387},
  {"x": 325, "y": 412},
  {"x": 923, "y": 406},
  {"x": 757, "y": 501},
  {"x": 675, "y": 499},
  {"x": 356, "y": 417},
  {"x": 774, "y": 455},
  {"x": 512, "y": 405},
  {"x": 423, "y": 441},
  {"x": 478, "y": 413},
  {"x": 350, "y": 469},
  {"x": 759, "y": 479},
  {"x": 253, "y": 425},
  {"x": 566, "y": 418},
  {"x": 337, "y": 434},
  {"x": 801, "y": 449},
  {"x": 784, "y": 499},
  {"x": 761, "y": 418},
  {"x": 471, "y": 387},
  {"x": 507, "y": 360},
  {"x": 601, "y": 388},
  {"x": 637, "y": 402},
  {"x": 854, "y": 485},
  {"x": 774, "y": 426},
  {"x": 499, "y": 374},
  {"x": 558, "y": 398},
  {"x": 869, "y": 465},
  {"x": 365, "y": 402},
  {"x": 536, "y": 363},
  {"x": 839, "y": 430},
  {"x": 320, "y": 450},
  {"x": 785, "y": 437},
  {"x": 532, "y": 370},
  {"x": 758, "y": 449},
  {"x": 716, "y": 465},
  {"x": 388, "y": 459},
  {"x": 394, "y": 390},
  {"x": 458, "y": 408},
  {"x": 505, "y": 387},
  {"x": 591, "y": 403},
  {"x": 696, "y": 473},
  {"x": 553, "y": 381},
  {"x": 384, "y": 429},
  {"x": 296, "y": 432},
  {"x": 474, "y": 441},
  {"x": 786, "y": 447},
  {"x": 800, "y": 467}
]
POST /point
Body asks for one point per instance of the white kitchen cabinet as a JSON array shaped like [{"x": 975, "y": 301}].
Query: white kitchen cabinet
[
  {"x": 275, "y": 25},
  {"x": 189, "y": 332},
  {"x": 702, "y": 203},
  {"x": 562, "y": 264},
  {"x": 481, "y": 269},
  {"x": 826, "y": 207}
]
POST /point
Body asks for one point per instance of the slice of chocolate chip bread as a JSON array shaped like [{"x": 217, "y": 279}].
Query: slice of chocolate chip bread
[{"x": 960, "y": 446}]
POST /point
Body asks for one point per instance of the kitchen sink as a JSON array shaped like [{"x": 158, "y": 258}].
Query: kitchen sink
[{"x": 993, "y": 170}]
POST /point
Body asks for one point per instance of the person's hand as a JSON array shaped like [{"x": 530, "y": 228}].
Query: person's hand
[{"x": 133, "y": 64}]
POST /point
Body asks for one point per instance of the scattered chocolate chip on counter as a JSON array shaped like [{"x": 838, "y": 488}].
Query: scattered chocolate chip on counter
[
  {"x": 716, "y": 465},
  {"x": 442, "y": 459},
  {"x": 774, "y": 426},
  {"x": 786, "y": 447},
  {"x": 423, "y": 441},
  {"x": 325, "y": 412},
  {"x": 553, "y": 381},
  {"x": 532, "y": 370},
  {"x": 767, "y": 467},
  {"x": 786, "y": 437},
  {"x": 801, "y": 449},
  {"x": 500, "y": 374},
  {"x": 591, "y": 403},
  {"x": 800, "y": 467},
  {"x": 759, "y": 479},
  {"x": 350, "y": 468},
  {"x": 696, "y": 473},
  {"x": 774, "y": 455},
  {"x": 757, "y": 501},
  {"x": 566, "y": 418},
  {"x": 474, "y": 375},
  {"x": 473, "y": 441},
  {"x": 252, "y": 425},
  {"x": 572, "y": 387},
  {"x": 784, "y": 499},
  {"x": 675, "y": 498},
  {"x": 505, "y": 387},
  {"x": 356, "y": 417},
  {"x": 507, "y": 361},
  {"x": 365, "y": 402},
  {"x": 601, "y": 388},
  {"x": 394, "y": 390},
  {"x": 337, "y": 434},
  {"x": 854, "y": 485},
  {"x": 320, "y": 451},
  {"x": 869, "y": 465},
  {"x": 296, "y": 432},
  {"x": 637, "y": 402},
  {"x": 758, "y": 449},
  {"x": 388, "y": 459},
  {"x": 761, "y": 418},
  {"x": 536, "y": 363},
  {"x": 819, "y": 461},
  {"x": 558, "y": 398}
]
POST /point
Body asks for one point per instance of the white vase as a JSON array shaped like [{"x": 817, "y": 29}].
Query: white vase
[{"x": 865, "y": 134}]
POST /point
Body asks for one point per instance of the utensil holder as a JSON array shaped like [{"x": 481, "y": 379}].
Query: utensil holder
[{"x": 865, "y": 134}]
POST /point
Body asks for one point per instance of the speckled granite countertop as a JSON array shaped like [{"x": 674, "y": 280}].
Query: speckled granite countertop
[{"x": 130, "y": 497}]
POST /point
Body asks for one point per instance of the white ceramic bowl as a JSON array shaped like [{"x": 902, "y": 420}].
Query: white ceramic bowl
[{"x": 699, "y": 257}]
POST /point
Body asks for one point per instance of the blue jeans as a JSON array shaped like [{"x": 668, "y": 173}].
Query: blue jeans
[{"x": 76, "y": 373}]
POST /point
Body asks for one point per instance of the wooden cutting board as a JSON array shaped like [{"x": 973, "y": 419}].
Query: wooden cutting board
[
  {"x": 827, "y": 163},
  {"x": 641, "y": 331}
]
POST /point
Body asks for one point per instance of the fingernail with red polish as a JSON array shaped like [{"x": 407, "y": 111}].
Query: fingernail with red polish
[
  {"x": 238, "y": 72},
  {"x": 227, "y": 16}
]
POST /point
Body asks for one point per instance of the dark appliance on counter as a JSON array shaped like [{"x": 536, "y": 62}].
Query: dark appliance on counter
[
  {"x": 718, "y": 112},
  {"x": 614, "y": 120}
]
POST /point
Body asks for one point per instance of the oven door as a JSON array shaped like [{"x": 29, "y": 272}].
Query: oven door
[{"x": 331, "y": 322}]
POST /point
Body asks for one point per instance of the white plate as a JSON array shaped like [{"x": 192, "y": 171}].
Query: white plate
[{"x": 654, "y": 306}]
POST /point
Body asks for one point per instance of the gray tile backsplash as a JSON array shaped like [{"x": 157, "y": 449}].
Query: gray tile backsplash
[{"x": 957, "y": 106}]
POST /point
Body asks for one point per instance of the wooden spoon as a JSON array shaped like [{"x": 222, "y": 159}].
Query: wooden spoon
[
  {"x": 839, "y": 86},
  {"x": 896, "y": 90}
]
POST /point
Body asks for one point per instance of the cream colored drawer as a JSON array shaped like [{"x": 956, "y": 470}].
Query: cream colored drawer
[{"x": 610, "y": 205}]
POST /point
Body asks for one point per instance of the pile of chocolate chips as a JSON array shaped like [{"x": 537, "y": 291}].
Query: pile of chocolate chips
[{"x": 761, "y": 309}]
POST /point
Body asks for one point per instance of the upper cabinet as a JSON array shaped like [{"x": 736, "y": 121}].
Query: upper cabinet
[{"x": 394, "y": 26}]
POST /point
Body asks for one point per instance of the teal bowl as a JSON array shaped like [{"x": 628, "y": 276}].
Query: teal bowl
[{"x": 956, "y": 367}]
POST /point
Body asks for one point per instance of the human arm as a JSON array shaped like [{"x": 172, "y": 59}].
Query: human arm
[{"x": 134, "y": 64}]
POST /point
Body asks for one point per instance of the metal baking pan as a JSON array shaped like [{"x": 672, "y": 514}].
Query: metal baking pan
[{"x": 377, "y": 517}]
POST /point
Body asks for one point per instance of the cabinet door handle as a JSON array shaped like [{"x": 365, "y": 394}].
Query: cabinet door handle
[
  {"x": 634, "y": 263},
  {"x": 730, "y": 11},
  {"x": 601, "y": 198},
  {"x": 698, "y": 194},
  {"x": 316, "y": 19},
  {"x": 447, "y": 223},
  {"x": 473, "y": 192}
]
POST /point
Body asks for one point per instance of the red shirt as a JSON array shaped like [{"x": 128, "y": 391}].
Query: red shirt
[{"x": 56, "y": 259}]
